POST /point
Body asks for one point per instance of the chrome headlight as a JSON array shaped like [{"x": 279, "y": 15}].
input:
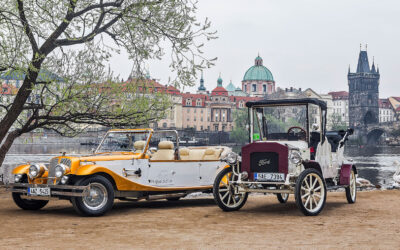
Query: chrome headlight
[
  {"x": 295, "y": 157},
  {"x": 35, "y": 170},
  {"x": 231, "y": 158},
  {"x": 60, "y": 170}
]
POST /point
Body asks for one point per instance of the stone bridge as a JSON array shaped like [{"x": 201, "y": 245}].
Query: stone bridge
[{"x": 372, "y": 132}]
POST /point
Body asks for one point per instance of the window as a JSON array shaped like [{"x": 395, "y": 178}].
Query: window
[
  {"x": 201, "y": 128},
  {"x": 194, "y": 110},
  {"x": 264, "y": 88},
  {"x": 201, "y": 119},
  {"x": 188, "y": 110},
  {"x": 198, "y": 102},
  {"x": 216, "y": 127},
  {"x": 245, "y": 88},
  {"x": 188, "y": 102},
  {"x": 254, "y": 87},
  {"x": 201, "y": 111},
  {"x": 164, "y": 125}
]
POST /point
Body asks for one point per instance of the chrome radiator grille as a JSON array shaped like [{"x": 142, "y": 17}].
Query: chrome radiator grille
[{"x": 52, "y": 168}]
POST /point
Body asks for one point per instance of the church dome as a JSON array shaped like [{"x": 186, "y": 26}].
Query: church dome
[{"x": 258, "y": 72}]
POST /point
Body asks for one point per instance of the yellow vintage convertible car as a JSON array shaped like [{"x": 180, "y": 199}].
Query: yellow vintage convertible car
[{"x": 124, "y": 166}]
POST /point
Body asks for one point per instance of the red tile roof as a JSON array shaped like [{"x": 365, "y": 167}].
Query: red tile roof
[
  {"x": 193, "y": 98},
  {"x": 339, "y": 95},
  {"x": 396, "y": 98},
  {"x": 384, "y": 103},
  {"x": 219, "y": 91}
]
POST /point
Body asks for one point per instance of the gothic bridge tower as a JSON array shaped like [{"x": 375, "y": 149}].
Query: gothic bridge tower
[{"x": 363, "y": 93}]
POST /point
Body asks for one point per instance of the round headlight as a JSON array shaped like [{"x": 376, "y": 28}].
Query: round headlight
[
  {"x": 60, "y": 170},
  {"x": 295, "y": 157},
  {"x": 17, "y": 178},
  {"x": 34, "y": 171},
  {"x": 231, "y": 158}
]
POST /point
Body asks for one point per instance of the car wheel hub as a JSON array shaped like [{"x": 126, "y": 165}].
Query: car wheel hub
[
  {"x": 96, "y": 198},
  {"x": 312, "y": 192}
]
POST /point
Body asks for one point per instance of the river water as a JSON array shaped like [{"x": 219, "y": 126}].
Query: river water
[{"x": 376, "y": 164}]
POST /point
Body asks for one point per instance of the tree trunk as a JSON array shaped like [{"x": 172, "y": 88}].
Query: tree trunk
[
  {"x": 7, "y": 145},
  {"x": 20, "y": 100}
]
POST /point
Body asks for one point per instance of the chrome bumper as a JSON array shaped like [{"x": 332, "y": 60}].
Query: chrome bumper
[{"x": 56, "y": 191}]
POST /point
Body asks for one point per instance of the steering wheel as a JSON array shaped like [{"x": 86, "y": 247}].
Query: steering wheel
[{"x": 302, "y": 134}]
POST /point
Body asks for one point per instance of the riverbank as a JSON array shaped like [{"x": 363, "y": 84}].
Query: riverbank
[{"x": 372, "y": 223}]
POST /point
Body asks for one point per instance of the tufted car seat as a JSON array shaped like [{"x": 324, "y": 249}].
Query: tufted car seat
[
  {"x": 165, "y": 152},
  {"x": 139, "y": 146},
  {"x": 211, "y": 154},
  {"x": 184, "y": 153}
]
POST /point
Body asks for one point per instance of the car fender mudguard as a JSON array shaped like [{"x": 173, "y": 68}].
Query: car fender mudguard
[
  {"x": 345, "y": 172},
  {"x": 312, "y": 164},
  {"x": 22, "y": 169}
]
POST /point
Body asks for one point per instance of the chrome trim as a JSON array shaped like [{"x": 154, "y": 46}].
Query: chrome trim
[
  {"x": 259, "y": 190},
  {"x": 55, "y": 190}
]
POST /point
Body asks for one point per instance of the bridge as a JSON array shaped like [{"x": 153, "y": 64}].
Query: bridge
[{"x": 372, "y": 132}]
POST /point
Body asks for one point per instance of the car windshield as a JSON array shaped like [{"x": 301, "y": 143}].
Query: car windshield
[
  {"x": 288, "y": 122},
  {"x": 124, "y": 142}
]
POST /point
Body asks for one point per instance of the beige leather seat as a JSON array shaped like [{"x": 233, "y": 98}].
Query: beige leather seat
[
  {"x": 139, "y": 146},
  {"x": 211, "y": 154},
  {"x": 184, "y": 154},
  {"x": 165, "y": 152},
  {"x": 196, "y": 154}
]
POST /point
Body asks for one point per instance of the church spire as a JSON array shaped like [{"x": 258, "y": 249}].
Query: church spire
[
  {"x": 373, "y": 65},
  {"x": 202, "y": 87},
  {"x": 363, "y": 64},
  {"x": 219, "y": 81}
]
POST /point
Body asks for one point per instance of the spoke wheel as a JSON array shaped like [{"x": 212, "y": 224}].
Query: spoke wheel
[
  {"x": 224, "y": 192},
  {"x": 282, "y": 198},
  {"x": 310, "y": 192},
  {"x": 351, "y": 190}
]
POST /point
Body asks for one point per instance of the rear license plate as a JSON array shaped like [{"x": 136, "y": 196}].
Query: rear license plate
[
  {"x": 39, "y": 191},
  {"x": 269, "y": 176}
]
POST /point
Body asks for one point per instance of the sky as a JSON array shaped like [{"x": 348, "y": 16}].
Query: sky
[{"x": 304, "y": 43}]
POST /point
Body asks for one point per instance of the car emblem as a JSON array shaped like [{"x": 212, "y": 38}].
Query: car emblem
[{"x": 264, "y": 162}]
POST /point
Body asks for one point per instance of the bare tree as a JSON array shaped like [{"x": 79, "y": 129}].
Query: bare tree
[{"x": 62, "y": 48}]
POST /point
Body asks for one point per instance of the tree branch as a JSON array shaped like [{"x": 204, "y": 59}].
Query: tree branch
[{"x": 26, "y": 25}]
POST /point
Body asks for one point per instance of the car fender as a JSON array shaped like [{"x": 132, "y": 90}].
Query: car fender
[
  {"x": 312, "y": 164},
  {"x": 22, "y": 169},
  {"x": 345, "y": 172}
]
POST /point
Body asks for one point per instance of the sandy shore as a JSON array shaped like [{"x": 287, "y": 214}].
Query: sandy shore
[{"x": 372, "y": 223}]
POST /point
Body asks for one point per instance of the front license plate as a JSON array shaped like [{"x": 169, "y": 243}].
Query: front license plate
[
  {"x": 269, "y": 176},
  {"x": 39, "y": 191}
]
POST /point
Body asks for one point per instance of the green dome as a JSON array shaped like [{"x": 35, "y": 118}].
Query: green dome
[
  {"x": 219, "y": 81},
  {"x": 258, "y": 72},
  {"x": 230, "y": 87}
]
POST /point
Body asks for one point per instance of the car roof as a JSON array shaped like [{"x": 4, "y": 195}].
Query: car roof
[{"x": 301, "y": 101}]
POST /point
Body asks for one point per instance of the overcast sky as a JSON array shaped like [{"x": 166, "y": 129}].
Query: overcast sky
[{"x": 304, "y": 43}]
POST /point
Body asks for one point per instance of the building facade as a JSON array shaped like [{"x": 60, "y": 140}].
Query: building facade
[
  {"x": 386, "y": 112},
  {"x": 340, "y": 107},
  {"x": 363, "y": 93}
]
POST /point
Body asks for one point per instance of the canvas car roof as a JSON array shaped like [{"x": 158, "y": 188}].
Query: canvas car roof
[{"x": 301, "y": 101}]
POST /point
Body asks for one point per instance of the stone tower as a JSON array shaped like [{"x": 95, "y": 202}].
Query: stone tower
[{"x": 363, "y": 93}]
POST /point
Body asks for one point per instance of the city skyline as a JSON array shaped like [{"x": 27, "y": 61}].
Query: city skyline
[{"x": 302, "y": 46}]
